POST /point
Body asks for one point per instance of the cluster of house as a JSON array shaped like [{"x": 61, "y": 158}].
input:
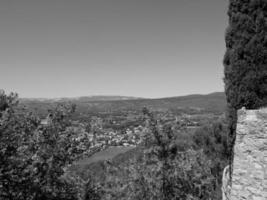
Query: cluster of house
[
  {"x": 101, "y": 138},
  {"x": 91, "y": 143},
  {"x": 131, "y": 137}
]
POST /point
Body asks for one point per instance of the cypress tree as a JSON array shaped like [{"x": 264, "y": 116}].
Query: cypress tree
[
  {"x": 246, "y": 56},
  {"x": 245, "y": 61}
]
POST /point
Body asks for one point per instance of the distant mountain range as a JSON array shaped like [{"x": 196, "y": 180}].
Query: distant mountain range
[{"x": 215, "y": 102}]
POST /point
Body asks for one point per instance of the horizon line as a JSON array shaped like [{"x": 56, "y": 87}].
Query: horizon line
[{"x": 112, "y": 95}]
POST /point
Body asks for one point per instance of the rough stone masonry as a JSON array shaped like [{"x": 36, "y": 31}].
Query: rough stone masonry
[{"x": 249, "y": 181}]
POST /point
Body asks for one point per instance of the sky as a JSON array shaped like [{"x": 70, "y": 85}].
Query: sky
[{"x": 141, "y": 48}]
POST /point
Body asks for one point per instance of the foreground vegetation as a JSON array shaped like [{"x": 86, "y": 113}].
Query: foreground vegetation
[{"x": 41, "y": 161}]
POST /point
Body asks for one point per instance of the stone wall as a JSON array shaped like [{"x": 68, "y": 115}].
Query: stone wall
[{"x": 250, "y": 156}]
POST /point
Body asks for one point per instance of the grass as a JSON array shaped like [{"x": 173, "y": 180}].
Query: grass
[{"x": 94, "y": 164}]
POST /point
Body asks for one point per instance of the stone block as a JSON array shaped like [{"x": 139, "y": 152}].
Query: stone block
[{"x": 250, "y": 159}]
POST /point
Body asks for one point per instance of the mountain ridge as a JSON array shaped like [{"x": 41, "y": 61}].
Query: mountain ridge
[{"x": 213, "y": 102}]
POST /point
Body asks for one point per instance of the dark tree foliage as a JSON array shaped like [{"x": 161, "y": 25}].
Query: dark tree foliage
[
  {"x": 246, "y": 56},
  {"x": 245, "y": 60}
]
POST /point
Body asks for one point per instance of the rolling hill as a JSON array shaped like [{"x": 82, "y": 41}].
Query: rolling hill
[{"x": 215, "y": 102}]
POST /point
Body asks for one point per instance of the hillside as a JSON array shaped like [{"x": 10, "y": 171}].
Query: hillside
[{"x": 214, "y": 102}]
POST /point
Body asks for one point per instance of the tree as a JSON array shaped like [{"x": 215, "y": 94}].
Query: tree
[
  {"x": 175, "y": 174},
  {"x": 34, "y": 158},
  {"x": 246, "y": 55},
  {"x": 16, "y": 131},
  {"x": 53, "y": 151},
  {"x": 245, "y": 60}
]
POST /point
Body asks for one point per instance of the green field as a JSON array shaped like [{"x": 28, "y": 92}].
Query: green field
[{"x": 106, "y": 154}]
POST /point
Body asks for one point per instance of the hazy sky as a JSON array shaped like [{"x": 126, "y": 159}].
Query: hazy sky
[{"x": 144, "y": 48}]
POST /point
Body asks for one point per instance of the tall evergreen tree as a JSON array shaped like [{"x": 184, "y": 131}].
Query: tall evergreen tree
[
  {"x": 246, "y": 56},
  {"x": 245, "y": 59}
]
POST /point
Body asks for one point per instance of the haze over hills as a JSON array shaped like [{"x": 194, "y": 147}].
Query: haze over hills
[{"x": 82, "y": 98}]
